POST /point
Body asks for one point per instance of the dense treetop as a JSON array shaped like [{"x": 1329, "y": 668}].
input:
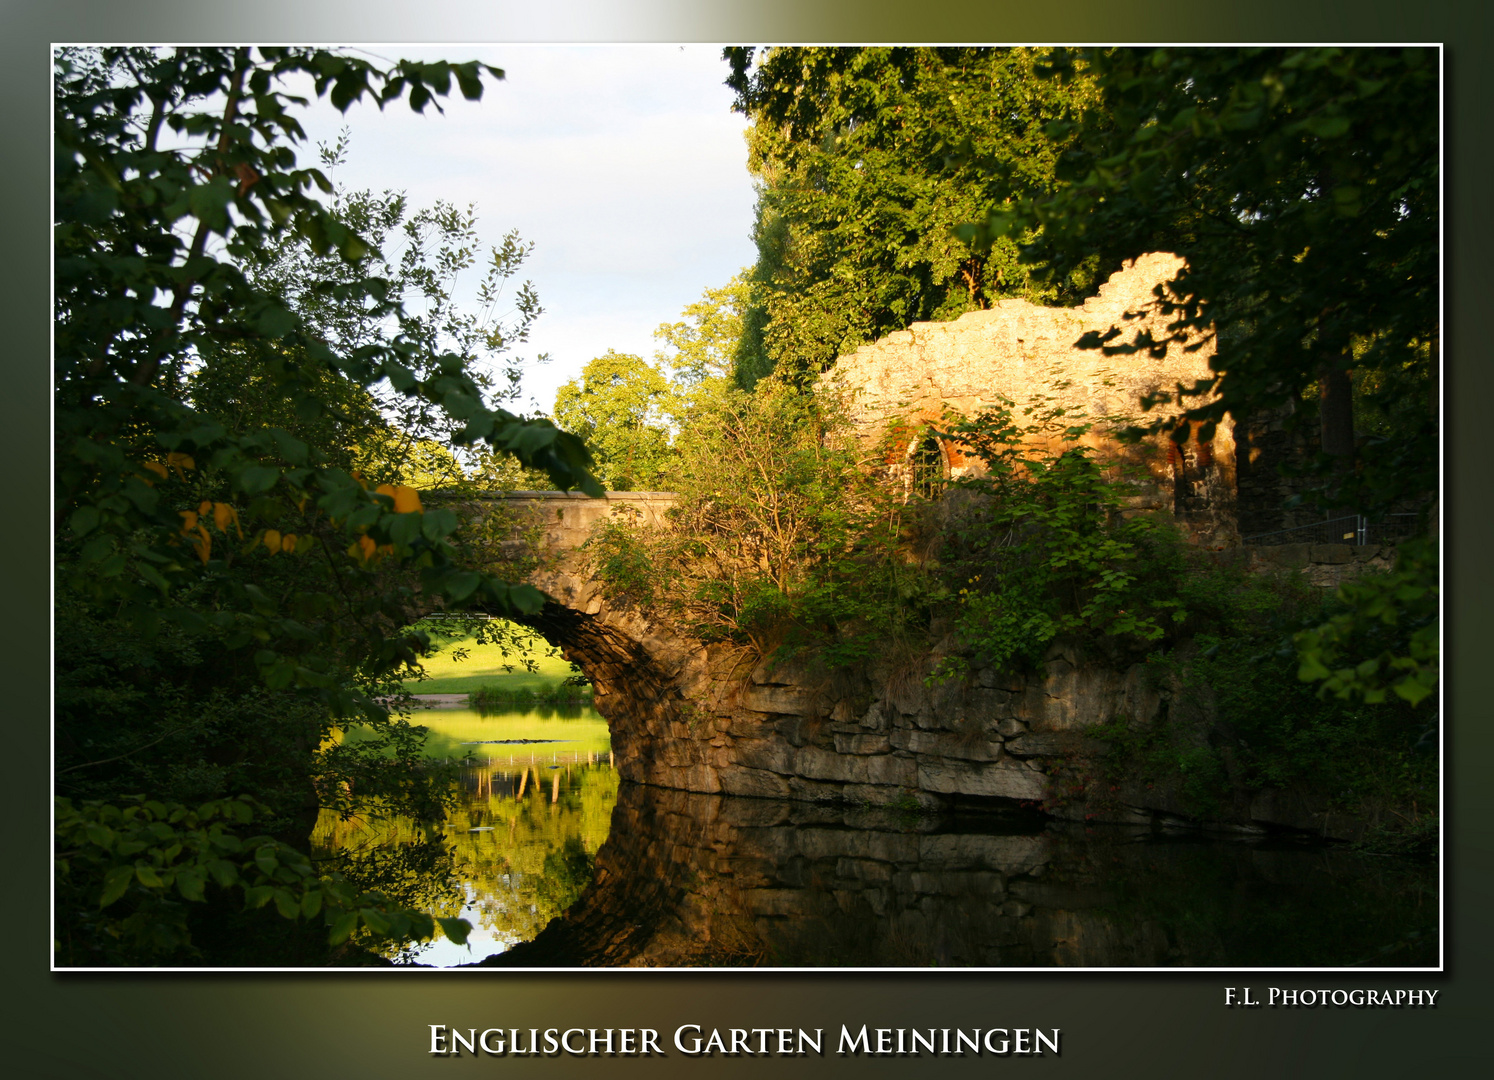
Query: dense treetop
[{"x": 867, "y": 159}]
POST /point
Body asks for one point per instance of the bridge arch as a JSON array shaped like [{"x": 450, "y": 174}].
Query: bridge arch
[{"x": 648, "y": 682}]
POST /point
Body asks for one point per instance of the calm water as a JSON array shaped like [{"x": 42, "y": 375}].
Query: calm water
[
  {"x": 555, "y": 866},
  {"x": 535, "y": 803}
]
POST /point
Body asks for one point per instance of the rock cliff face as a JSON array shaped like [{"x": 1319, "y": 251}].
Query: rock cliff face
[
  {"x": 705, "y": 719},
  {"x": 713, "y": 720}
]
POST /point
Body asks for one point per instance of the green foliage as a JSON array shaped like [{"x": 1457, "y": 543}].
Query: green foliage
[
  {"x": 127, "y": 875},
  {"x": 1301, "y": 185},
  {"x": 621, "y": 558},
  {"x": 1272, "y": 171},
  {"x": 1043, "y": 549},
  {"x": 502, "y": 697},
  {"x": 1239, "y": 718},
  {"x": 618, "y": 406},
  {"x": 468, "y": 654},
  {"x": 137, "y": 461},
  {"x": 705, "y": 341},
  {"x": 867, "y": 159},
  {"x": 413, "y": 262},
  {"x": 1390, "y": 620},
  {"x": 779, "y": 534},
  {"x": 242, "y": 398}
]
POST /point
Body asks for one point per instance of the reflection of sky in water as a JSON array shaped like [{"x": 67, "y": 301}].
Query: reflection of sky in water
[
  {"x": 534, "y": 805},
  {"x": 483, "y": 941}
]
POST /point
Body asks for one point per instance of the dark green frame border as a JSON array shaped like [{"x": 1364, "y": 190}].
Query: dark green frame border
[{"x": 335, "y": 1024}]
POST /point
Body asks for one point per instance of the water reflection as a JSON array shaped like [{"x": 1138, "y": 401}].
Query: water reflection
[
  {"x": 556, "y": 866},
  {"x": 712, "y": 881},
  {"x": 537, "y": 792}
]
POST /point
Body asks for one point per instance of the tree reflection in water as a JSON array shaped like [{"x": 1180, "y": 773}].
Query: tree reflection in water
[{"x": 537, "y": 791}]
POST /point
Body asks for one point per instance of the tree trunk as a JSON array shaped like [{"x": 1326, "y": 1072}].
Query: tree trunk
[
  {"x": 1336, "y": 415},
  {"x": 1336, "y": 419}
]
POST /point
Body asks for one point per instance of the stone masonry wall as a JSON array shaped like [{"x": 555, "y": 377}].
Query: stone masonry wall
[
  {"x": 714, "y": 719},
  {"x": 1020, "y": 351}
]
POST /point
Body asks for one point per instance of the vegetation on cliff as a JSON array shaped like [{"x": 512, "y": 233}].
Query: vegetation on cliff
[{"x": 1301, "y": 187}]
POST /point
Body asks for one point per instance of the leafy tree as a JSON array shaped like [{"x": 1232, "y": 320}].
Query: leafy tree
[
  {"x": 706, "y": 339},
  {"x": 867, "y": 158},
  {"x": 780, "y": 533},
  {"x": 619, "y": 407},
  {"x": 124, "y": 872},
  {"x": 1301, "y": 186},
  {"x": 224, "y": 574},
  {"x": 418, "y": 255}
]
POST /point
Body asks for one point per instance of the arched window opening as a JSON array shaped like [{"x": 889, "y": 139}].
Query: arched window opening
[{"x": 930, "y": 468}]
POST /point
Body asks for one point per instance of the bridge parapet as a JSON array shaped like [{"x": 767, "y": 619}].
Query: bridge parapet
[{"x": 565, "y": 518}]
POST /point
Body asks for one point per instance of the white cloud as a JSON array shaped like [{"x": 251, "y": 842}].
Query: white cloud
[{"x": 622, "y": 163}]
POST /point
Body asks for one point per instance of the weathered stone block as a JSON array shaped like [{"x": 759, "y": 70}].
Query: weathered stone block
[
  {"x": 694, "y": 778},
  {"x": 988, "y": 705},
  {"x": 818, "y": 764},
  {"x": 796, "y": 670},
  {"x": 744, "y": 724},
  {"x": 947, "y": 745},
  {"x": 1000, "y": 780},
  {"x": 995, "y": 678},
  {"x": 797, "y": 730},
  {"x": 766, "y": 754},
  {"x": 1139, "y": 700},
  {"x": 863, "y": 870},
  {"x": 1291, "y": 556},
  {"x": 862, "y": 744},
  {"x": 814, "y": 790},
  {"x": 779, "y": 699},
  {"x": 1046, "y": 744},
  {"x": 756, "y": 783},
  {"x": 1332, "y": 553},
  {"x": 1011, "y": 727},
  {"x": 926, "y": 720}
]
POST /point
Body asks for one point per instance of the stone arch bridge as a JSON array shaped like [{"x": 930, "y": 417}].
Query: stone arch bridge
[{"x": 717, "y": 718}]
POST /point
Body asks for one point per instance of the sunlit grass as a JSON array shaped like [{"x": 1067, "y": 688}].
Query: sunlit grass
[
  {"x": 485, "y": 665},
  {"x": 570, "y": 733}
]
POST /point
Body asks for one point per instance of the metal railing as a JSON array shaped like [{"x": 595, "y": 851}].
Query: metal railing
[{"x": 1355, "y": 529}]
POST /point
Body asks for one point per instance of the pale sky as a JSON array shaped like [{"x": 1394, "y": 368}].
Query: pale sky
[{"x": 622, "y": 163}]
